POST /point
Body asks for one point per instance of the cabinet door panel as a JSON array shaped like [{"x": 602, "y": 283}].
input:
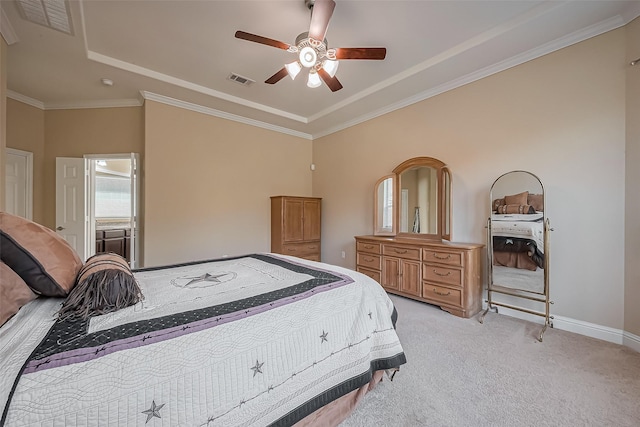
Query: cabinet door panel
[
  {"x": 391, "y": 273},
  {"x": 294, "y": 226},
  {"x": 311, "y": 220},
  {"x": 410, "y": 278}
]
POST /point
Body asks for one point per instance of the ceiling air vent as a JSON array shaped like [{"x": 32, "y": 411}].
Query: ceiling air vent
[
  {"x": 245, "y": 81},
  {"x": 50, "y": 13}
]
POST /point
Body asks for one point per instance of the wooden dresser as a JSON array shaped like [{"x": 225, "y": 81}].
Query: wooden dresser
[
  {"x": 445, "y": 274},
  {"x": 295, "y": 226}
]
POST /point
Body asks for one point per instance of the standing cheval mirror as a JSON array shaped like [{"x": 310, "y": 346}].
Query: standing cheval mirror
[{"x": 518, "y": 246}]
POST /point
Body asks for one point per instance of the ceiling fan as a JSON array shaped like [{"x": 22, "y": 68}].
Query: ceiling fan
[{"x": 312, "y": 50}]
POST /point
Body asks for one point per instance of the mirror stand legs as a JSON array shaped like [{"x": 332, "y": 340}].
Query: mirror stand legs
[{"x": 484, "y": 313}]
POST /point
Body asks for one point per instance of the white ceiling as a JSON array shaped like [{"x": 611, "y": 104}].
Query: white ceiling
[{"x": 181, "y": 52}]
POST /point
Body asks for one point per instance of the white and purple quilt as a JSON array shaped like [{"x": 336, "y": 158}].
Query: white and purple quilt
[{"x": 255, "y": 340}]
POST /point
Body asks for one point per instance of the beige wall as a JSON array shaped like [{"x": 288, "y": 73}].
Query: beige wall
[
  {"x": 3, "y": 116},
  {"x": 25, "y": 131},
  {"x": 208, "y": 183},
  {"x": 74, "y": 133},
  {"x": 632, "y": 195},
  {"x": 561, "y": 116}
]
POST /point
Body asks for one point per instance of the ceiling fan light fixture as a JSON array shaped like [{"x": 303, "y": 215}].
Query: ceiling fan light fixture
[
  {"x": 314, "y": 79},
  {"x": 308, "y": 56},
  {"x": 330, "y": 67},
  {"x": 293, "y": 69}
]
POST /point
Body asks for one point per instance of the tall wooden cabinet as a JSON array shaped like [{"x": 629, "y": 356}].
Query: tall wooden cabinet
[
  {"x": 295, "y": 226},
  {"x": 438, "y": 272}
]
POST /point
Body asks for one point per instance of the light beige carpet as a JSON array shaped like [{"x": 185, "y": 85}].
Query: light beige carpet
[{"x": 463, "y": 373}]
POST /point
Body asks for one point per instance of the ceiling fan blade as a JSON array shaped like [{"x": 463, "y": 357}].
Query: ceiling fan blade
[
  {"x": 277, "y": 76},
  {"x": 361, "y": 52},
  {"x": 320, "y": 16},
  {"x": 262, "y": 40},
  {"x": 332, "y": 82}
]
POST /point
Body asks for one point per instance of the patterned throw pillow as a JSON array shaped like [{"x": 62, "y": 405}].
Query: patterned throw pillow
[
  {"x": 14, "y": 293},
  {"x": 44, "y": 260},
  {"x": 105, "y": 284}
]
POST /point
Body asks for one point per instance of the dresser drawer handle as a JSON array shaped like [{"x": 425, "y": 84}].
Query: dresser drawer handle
[
  {"x": 312, "y": 247},
  {"x": 440, "y": 274},
  {"x": 435, "y": 255},
  {"x": 400, "y": 252},
  {"x": 291, "y": 249},
  {"x": 368, "y": 246},
  {"x": 368, "y": 259},
  {"x": 441, "y": 293}
]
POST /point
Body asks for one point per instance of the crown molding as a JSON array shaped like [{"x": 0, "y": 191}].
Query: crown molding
[
  {"x": 560, "y": 43},
  {"x": 100, "y": 103},
  {"x": 94, "y": 56},
  {"x": 25, "y": 99},
  {"x": 6, "y": 29},
  {"x": 221, "y": 114}
]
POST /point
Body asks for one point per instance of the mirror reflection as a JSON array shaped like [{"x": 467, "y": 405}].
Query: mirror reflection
[
  {"x": 418, "y": 201},
  {"x": 517, "y": 232}
]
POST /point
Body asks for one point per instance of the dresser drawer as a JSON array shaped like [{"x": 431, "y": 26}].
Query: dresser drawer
[
  {"x": 369, "y": 260},
  {"x": 299, "y": 249},
  {"x": 442, "y": 257},
  {"x": 375, "y": 275},
  {"x": 436, "y": 273},
  {"x": 401, "y": 252},
  {"x": 441, "y": 294},
  {"x": 369, "y": 247}
]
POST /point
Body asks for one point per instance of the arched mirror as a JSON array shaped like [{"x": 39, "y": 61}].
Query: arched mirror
[
  {"x": 418, "y": 194},
  {"x": 518, "y": 242}
]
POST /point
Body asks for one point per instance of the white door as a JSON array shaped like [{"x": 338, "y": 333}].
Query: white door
[
  {"x": 70, "y": 202},
  {"x": 18, "y": 183}
]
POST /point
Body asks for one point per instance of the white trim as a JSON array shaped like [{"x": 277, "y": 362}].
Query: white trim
[
  {"x": 568, "y": 40},
  {"x": 94, "y": 56},
  {"x": 29, "y": 178},
  {"x": 103, "y": 103},
  {"x": 562, "y": 42},
  {"x": 25, "y": 99},
  {"x": 630, "y": 340},
  {"x": 6, "y": 29},
  {"x": 221, "y": 114},
  {"x": 605, "y": 333}
]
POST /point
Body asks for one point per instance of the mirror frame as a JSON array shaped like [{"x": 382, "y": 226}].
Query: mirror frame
[{"x": 444, "y": 223}]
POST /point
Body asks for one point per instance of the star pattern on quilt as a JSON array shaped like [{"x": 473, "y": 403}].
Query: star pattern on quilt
[
  {"x": 206, "y": 277},
  {"x": 257, "y": 368},
  {"x": 323, "y": 337},
  {"x": 154, "y": 411}
]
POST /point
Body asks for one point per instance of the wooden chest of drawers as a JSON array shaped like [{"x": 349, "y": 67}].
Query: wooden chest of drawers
[{"x": 441, "y": 273}]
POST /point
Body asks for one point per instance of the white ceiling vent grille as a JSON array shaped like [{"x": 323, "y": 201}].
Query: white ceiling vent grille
[
  {"x": 50, "y": 13},
  {"x": 245, "y": 81}
]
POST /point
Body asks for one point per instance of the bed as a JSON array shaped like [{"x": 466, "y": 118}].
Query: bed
[
  {"x": 518, "y": 232},
  {"x": 254, "y": 340}
]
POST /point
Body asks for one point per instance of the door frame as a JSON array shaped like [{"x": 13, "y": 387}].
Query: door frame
[
  {"x": 28, "y": 178},
  {"x": 134, "y": 158}
]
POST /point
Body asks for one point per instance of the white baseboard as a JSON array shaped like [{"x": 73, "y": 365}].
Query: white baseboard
[{"x": 605, "y": 333}]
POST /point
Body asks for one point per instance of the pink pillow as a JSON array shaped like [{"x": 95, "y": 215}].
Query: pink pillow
[
  {"x": 14, "y": 293},
  {"x": 45, "y": 261}
]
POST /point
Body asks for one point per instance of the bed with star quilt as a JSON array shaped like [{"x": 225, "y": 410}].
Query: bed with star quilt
[{"x": 255, "y": 340}]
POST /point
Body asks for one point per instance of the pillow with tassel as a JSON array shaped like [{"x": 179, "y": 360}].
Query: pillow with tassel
[{"x": 104, "y": 284}]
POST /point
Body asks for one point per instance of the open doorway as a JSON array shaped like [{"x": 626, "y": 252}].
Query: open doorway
[{"x": 100, "y": 212}]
